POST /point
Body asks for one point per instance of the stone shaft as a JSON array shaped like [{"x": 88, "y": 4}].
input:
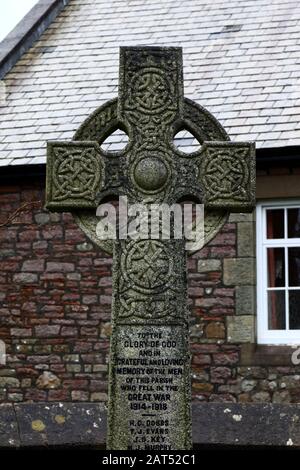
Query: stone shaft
[{"x": 149, "y": 394}]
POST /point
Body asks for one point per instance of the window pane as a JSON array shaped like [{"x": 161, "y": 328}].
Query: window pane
[
  {"x": 294, "y": 266},
  {"x": 276, "y": 273},
  {"x": 276, "y": 310},
  {"x": 275, "y": 223},
  {"x": 294, "y": 302},
  {"x": 294, "y": 223}
]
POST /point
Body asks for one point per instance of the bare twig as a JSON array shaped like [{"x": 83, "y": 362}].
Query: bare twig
[{"x": 23, "y": 208}]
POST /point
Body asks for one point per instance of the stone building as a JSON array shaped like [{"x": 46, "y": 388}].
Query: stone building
[{"x": 242, "y": 63}]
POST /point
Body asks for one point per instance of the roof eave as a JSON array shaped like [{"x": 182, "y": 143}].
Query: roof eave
[
  {"x": 27, "y": 31},
  {"x": 288, "y": 156},
  {"x": 265, "y": 158}
]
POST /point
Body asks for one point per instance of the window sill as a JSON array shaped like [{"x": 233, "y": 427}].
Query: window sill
[{"x": 267, "y": 355}]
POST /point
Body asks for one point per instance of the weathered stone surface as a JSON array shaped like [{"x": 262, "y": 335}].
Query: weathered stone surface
[
  {"x": 242, "y": 217},
  {"x": 226, "y": 358},
  {"x": 35, "y": 265},
  {"x": 99, "y": 396},
  {"x": 42, "y": 218},
  {"x": 200, "y": 375},
  {"x": 25, "y": 278},
  {"x": 239, "y": 271},
  {"x": 245, "y": 300},
  {"x": 59, "y": 267},
  {"x": 196, "y": 331},
  {"x": 150, "y": 316},
  {"x": 84, "y": 247},
  {"x": 238, "y": 157},
  {"x": 21, "y": 332},
  {"x": 261, "y": 397},
  {"x": 208, "y": 265},
  {"x": 9, "y": 382},
  {"x": 74, "y": 424},
  {"x": 220, "y": 374},
  {"x": 215, "y": 330},
  {"x": 254, "y": 372},
  {"x": 47, "y": 330},
  {"x": 79, "y": 395},
  {"x": 246, "y": 424},
  {"x": 7, "y": 372},
  {"x": 248, "y": 385},
  {"x": 203, "y": 387},
  {"x": 281, "y": 397},
  {"x": 267, "y": 355},
  {"x": 15, "y": 397},
  {"x": 241, "y": 329},
  {"x": 61, "y": 424},
  {"x": 9, "y": 436},
  {"x": 47, "y": 380},
  {"x": 290, "y": 382},
  {"x": 246, "y": 239}
]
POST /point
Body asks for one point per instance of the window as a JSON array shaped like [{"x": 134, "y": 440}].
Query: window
[{"x": 278, "y": 273}]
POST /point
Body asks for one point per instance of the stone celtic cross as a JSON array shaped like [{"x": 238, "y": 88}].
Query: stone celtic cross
[{"x": 149, "y": 381}]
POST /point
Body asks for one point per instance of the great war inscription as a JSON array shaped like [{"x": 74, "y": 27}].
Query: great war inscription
[{"x": 149, "y": 378}]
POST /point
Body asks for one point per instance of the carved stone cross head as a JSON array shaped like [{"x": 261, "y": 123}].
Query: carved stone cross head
[{"x": 151, "y": 109}]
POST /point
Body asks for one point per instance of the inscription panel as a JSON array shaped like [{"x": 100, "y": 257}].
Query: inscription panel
[{"x": 150, "y": 388}]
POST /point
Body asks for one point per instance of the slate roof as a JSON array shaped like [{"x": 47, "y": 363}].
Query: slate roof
[{"x": 241, "y": 61}]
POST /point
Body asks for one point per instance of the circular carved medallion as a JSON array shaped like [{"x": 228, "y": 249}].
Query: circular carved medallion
[
  {"x": 224, "y": 174},
  {"x": 72, "y": 180},
  {"x": 150, "y": 174},
  {"x": 147, "y": 265}
]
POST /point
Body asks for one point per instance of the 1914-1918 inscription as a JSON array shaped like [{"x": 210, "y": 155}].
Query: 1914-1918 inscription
[{"x": 150, "y": 378}]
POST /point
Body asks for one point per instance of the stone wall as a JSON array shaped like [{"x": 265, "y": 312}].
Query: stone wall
[{"x": 55, "y": 294}]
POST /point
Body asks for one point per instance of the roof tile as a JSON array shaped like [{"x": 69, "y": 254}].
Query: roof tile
[{"x": 241, "y": 62}]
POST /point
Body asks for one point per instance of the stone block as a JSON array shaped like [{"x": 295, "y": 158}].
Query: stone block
[
  {"x": 245, "y": 239},
  {"x": 47, "y": 331},
  {"x": 241, "y": 217},
  {"x": 25, "y": 278},
  {"x": 248, "y": 385},
  {"x": 42, "y": 218},
  {"x": 208, "y": 265},
  {"x": 47, "y": 380},
  {"x": 55, "y": 267},
  {"x": 79, "y": 395},
  {"x": 215, "y": 330},
  {"x": 281, "y": 397},
  {"x": 261, "y": 397},
  {"x": 9, "y": 382},
  {"x": 21, "y": 332},
  {"x": 241, "y": 329},
  {"x": 239, "y": 271},
  {"x": 99, "y": 396},
  {"x": 245, "y": 303}
]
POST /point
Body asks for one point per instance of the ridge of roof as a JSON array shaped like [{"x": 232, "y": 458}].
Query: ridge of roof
[{"x": 27, "y": 31}]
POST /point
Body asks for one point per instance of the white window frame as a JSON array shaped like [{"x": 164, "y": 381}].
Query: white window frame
[{"x": 264, "y": 335}]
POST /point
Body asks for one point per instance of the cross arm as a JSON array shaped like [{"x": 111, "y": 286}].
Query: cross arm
[
  {"x": 227, "y": 175},
  {"x": 78, "y": 175}
]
